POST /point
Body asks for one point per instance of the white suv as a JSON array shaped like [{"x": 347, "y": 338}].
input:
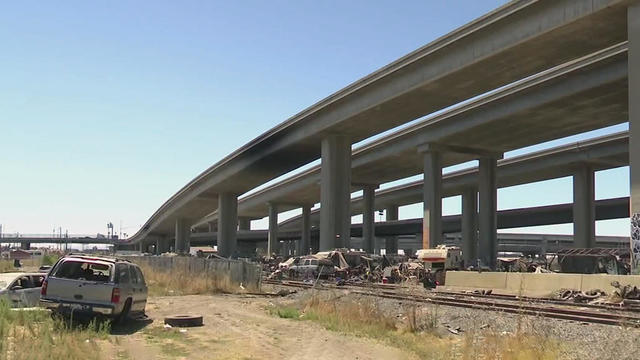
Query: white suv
[{"x": 92, "y": 285}]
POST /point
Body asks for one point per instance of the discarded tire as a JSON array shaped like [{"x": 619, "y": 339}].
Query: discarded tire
[{"x": 184, "y": 320}]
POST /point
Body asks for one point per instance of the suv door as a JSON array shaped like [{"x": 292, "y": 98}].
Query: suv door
[
  {"x": 139, "y": 289},
  {"x": 123, "y": 281},
  {"x": 22, "y": 292}
]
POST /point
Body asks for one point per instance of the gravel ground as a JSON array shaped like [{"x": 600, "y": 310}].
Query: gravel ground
[{"x": 580, "y": 340}]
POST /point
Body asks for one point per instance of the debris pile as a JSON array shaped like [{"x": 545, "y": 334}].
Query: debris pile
[
  {"x": 578, "y": 296},
  {"x": 626, "y": 292},
  {"x": 349, "y": 267}
]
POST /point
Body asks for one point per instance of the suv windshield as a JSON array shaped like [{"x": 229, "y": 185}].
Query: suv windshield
[{"x": 83, "y": 270}]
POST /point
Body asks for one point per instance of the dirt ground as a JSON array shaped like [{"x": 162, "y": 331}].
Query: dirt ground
[{"x": 235, "y": 327}]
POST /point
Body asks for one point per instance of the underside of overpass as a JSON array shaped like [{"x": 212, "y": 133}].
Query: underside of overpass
[{"x": 535, "y": 71}]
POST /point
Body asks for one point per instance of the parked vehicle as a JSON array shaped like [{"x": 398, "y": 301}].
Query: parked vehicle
[
  {"x": 91, "y": 285},
  {"x": 311, "y": 267},
  {"x": 437, "y": 261},
  {"x": 21, "y": 289}
]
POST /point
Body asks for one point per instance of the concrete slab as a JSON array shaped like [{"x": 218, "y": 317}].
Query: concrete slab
[{"x": 536, "y": 285}]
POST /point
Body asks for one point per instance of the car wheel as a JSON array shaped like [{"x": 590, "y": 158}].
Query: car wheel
[{"x": 124, "y": 315}]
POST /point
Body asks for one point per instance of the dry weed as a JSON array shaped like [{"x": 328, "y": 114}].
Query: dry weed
[{"x": 182, "y": 282}]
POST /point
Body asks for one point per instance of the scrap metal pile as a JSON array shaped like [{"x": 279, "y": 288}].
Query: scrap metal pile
[{"x": 347, "y": 267}]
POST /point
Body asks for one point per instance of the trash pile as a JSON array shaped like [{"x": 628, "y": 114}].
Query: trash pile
[
  {"x": 626, "y": 292},
  {"x": 578, "y": 296},
  {"x": 627, "y": 295},
  {"x": 521, "y": 264},
  {"x": 349, "y": 268}
]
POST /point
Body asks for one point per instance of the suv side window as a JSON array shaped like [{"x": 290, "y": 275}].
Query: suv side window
[
  {"x": 140, "y": 276},
  {"x": 122, "y": 271},
  {"x": 134, "y": 275}
]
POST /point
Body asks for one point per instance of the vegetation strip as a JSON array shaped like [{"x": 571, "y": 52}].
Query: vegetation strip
[{"x": 606, "y": 318}]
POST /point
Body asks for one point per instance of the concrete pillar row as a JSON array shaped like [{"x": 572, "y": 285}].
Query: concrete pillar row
[
  {"x": 633, "y": 23},
  {"x": 391, "y": 242},
  {"x": 470, "y": 226},
  {"x": 584, "y": 208},
  {"x": 227, "y": 224},
  {"x": 368, "y": 218},
  {"x": 335, "y": 192},
  {"x": 273, "y": 246},
  {"x": 305, "y": 238},
  {"x": 487, "y": 214},
  {"x": 432, "y": 197}
]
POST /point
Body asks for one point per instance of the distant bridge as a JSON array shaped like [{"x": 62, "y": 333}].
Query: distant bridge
[{"x": 25, "y": 240}]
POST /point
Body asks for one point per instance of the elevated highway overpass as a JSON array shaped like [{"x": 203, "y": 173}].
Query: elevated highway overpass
[
  {"x": 507, "y": 242},
  {"x": 594, "y": 44},
  {"x": 507, "y": 219},
  {"x": 596, "y": 154}
]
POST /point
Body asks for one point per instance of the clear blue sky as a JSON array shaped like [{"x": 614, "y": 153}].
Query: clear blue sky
[{"x": 108, "y": 108}]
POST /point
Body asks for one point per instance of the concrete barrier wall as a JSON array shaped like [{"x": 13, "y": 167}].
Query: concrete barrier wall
[
  {"x": 530, "y": 284},
  {"x": 236, "y": 271}
]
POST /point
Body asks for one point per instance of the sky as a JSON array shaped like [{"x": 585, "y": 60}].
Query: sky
[{"x": 109, "y": 108}]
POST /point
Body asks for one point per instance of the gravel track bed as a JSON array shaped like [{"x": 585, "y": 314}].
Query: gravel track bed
[{"x": 580, "y": 340}]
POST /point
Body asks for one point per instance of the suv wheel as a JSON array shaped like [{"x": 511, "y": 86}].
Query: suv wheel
[{"x": 124, "y": 315}]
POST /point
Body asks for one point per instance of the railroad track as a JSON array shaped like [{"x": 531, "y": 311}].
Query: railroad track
[{"x": 587, "y": 313}]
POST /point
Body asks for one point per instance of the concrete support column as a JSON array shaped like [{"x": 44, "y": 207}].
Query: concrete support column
[
  {"x": 584, "y": 208},
  {"x": 391, "y": 242},
  {"x": 633, "y": 23},
  {"x": 305, "y": 238},
  {"x": 162, "y": 245},
  {"x": 244, "y": 223},
  {"x": 181, "y": 244},
  {"x": 335, "y": 192},
  {"x": 212, "y": 226},
  {"x": 315, "y": 245},
  {"x": 470, "y": 226},
  {"x": 432, "y": 199},
  {"x": 273, "y": 244},
  {"x": 487, "y": 215},
  {"x": 368, "y": 218},
  {"x": 227, "y": 224}
]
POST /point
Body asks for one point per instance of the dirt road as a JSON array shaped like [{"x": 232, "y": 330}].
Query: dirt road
[{"x": 236, "y": 327}]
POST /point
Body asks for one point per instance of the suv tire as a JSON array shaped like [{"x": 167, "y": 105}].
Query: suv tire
[{"x": 124, "y": 315}]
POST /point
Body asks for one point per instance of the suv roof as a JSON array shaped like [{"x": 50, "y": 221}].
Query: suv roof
[{"x": 111, "y": 259}]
